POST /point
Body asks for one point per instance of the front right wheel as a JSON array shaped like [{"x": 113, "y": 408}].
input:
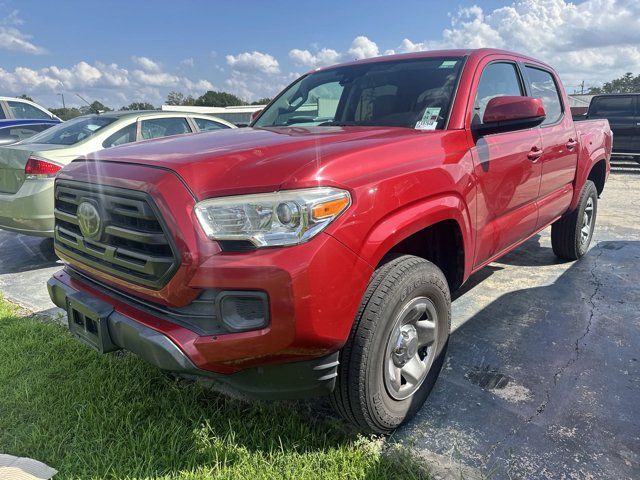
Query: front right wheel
[{"x": 396, "y": 347}]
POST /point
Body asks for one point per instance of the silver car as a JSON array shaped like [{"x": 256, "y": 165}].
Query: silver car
[{"x": 27, "y": 169}]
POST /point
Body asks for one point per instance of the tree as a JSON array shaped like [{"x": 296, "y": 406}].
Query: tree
[
  {"x": 178, "y": 98},
  {"x": 26, "y": 97},
  {"x": 95, "y": 107},
  {"x": 261, "y": 101},
  {"x": 66, "y": 113},
  {"x": 625, "y": 84},
  {"x": 175, "y": 98},
  {"x": 139, "y": 106},
  {"x": 219, "y": 99}
]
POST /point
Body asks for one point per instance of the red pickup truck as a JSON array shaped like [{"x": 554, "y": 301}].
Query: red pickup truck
[{"x": 315, "y": 251}]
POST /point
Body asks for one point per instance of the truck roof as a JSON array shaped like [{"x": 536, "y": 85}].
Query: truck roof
[{"x": 476, "y": 53}]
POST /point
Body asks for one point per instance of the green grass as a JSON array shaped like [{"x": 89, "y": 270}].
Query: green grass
[{"x": 112, "y": 416}]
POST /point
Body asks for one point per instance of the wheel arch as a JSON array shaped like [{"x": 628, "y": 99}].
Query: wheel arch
[{"x": 437, "y": 229}]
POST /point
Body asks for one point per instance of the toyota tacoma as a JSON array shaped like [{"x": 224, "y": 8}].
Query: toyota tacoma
[{"x": 315, "y": 251}]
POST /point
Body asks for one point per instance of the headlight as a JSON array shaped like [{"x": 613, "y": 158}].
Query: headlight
[{"x": 272, "y": 219}]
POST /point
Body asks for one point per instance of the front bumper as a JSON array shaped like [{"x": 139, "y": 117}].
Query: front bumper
[
  {"x": 289, "y": 380},
  {"x": 30, "y": 210}
]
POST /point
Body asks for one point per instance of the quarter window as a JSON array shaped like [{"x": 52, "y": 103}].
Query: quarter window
[
  {"x": 206, "y": 125},
  {"x": 164, "y": 127},
  {"x": 121, "y": 137},
  {"x": 544, "y": 87},
  {"x": 498, "y": 80},
  {"x": 23, "y": 110}
]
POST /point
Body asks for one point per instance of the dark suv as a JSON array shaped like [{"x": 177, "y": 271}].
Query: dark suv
[{"x": 623, "y": 113}]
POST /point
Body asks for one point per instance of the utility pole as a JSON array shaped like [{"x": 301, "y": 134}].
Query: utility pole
[
  {"x": 64, "y": 107},
  {"x": 582, "y": 88}
]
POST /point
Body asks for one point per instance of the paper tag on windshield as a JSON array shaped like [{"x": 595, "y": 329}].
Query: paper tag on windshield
[
  {"x": 448, "y": 64},
  {"x": 429, "y": 119}
]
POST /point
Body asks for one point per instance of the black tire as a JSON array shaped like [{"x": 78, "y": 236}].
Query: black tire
[
  {"x": 566, "y": 233},
  {"x": 360, "y": 395}
]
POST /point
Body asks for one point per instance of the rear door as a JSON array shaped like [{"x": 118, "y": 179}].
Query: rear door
[
  {"x": 559, "y": 143},
  {"x": 622, "y": 113},
  {"x": 507, "y": 166}
]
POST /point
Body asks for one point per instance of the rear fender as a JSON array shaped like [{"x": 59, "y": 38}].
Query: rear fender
[{"x": 595, "y": 145}]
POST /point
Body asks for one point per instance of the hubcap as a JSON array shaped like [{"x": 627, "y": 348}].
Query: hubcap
[
  {"x": 411, "y": 348},
  {"x": 587, "y": 221}
]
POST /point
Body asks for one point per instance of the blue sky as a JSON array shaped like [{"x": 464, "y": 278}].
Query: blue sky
[{"x": 119, "y": 52}]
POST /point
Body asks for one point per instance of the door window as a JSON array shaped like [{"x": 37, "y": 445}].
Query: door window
[
  {"x": 498, "y": 80},
  {"x": 121, "y": 137},
  {"x": 613, "y": 106},
  {"x": 25, "y": 111},
  {"x": 544, "y": 87},
  {"x": 205, "y": 125},
  {"x": 2, "y": 115},
  {"x": 164, "y": 127}
]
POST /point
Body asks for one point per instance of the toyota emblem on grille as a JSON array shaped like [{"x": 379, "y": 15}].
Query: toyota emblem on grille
[{"x": 89, "y": 220}]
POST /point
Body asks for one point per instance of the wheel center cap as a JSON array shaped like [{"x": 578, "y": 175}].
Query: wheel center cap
[{"x": 406, "y": 345}]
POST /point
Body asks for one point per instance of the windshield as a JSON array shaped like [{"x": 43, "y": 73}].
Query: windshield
[
  {"x": 412, "y": 93},
  {"x": 72, "y": 131}
]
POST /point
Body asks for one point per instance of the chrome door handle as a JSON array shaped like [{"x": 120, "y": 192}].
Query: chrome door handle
[
  {"x": 571, "y": 144},
  {"x": 534, "y": 154}
]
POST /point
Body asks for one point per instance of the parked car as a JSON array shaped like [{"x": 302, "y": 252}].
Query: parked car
[
  {"x": 20, "y": 119},
  {"x": 21, "y": 109},
  {"x": 623, "y": 113},
  {"x": 27, "y": 168},
  {"x": 315, "y": 252}
]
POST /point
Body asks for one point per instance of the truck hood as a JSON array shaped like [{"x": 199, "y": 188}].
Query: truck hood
[{"x": 248, "y": 160}]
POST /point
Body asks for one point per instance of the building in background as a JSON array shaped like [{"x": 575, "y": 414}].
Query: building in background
[
  {"x": 238, "y": 115},
  {"x": 579, "y": 104}
]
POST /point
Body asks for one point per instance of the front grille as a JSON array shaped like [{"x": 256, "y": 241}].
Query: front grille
[{"x": 132, "y": 244}]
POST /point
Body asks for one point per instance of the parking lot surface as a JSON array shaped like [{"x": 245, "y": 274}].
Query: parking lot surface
[{"x": 543, "y": 374}]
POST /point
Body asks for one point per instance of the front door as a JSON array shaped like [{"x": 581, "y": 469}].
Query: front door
[{"x": 507, "y": 167}]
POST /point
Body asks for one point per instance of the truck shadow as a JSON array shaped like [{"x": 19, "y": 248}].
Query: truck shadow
[{"x": 537, "y": 362}]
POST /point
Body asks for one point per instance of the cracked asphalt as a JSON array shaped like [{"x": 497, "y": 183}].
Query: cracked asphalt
[{"x": 543, "y": 374}]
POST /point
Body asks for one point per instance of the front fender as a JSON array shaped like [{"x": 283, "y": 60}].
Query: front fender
[{"x": 410, "y": 219}]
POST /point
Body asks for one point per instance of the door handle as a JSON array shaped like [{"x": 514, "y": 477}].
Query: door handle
[
  {"x": 534, "y": 154},
  {"x": 571, "y": 144}
]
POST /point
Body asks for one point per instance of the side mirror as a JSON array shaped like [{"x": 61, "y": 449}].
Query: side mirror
[
  {"x": 506, "y": 114},
  {"x": 255, "y": 115}
]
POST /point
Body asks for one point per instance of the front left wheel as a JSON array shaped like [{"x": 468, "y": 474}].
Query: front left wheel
[{"x": 397, "y": 345}]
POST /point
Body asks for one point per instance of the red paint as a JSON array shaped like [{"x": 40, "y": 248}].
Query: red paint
[
  {"x": 499, "y": 189},
  {"x": 504, "y": 109}
]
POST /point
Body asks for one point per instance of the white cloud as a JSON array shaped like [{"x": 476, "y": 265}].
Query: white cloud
[
  {"x": 593, "y": 40},
  {"x": 253, "y": 62},
  {"x": 110, "y": 83},
  {"x": 361, "y": 47},
  {"x": 187, "y": 62},
  {"x": 321, "y": 58},
  {"x": 11, "y": 38},
  {"x": 147, "y": 64}
]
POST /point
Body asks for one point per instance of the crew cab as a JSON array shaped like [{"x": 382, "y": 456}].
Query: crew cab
[{"x": 315, "y": 251}]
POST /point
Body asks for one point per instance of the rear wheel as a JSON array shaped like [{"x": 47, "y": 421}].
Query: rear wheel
[
  {"x": 571, "y": 234},
  {"x": 397, "y": 345}
]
